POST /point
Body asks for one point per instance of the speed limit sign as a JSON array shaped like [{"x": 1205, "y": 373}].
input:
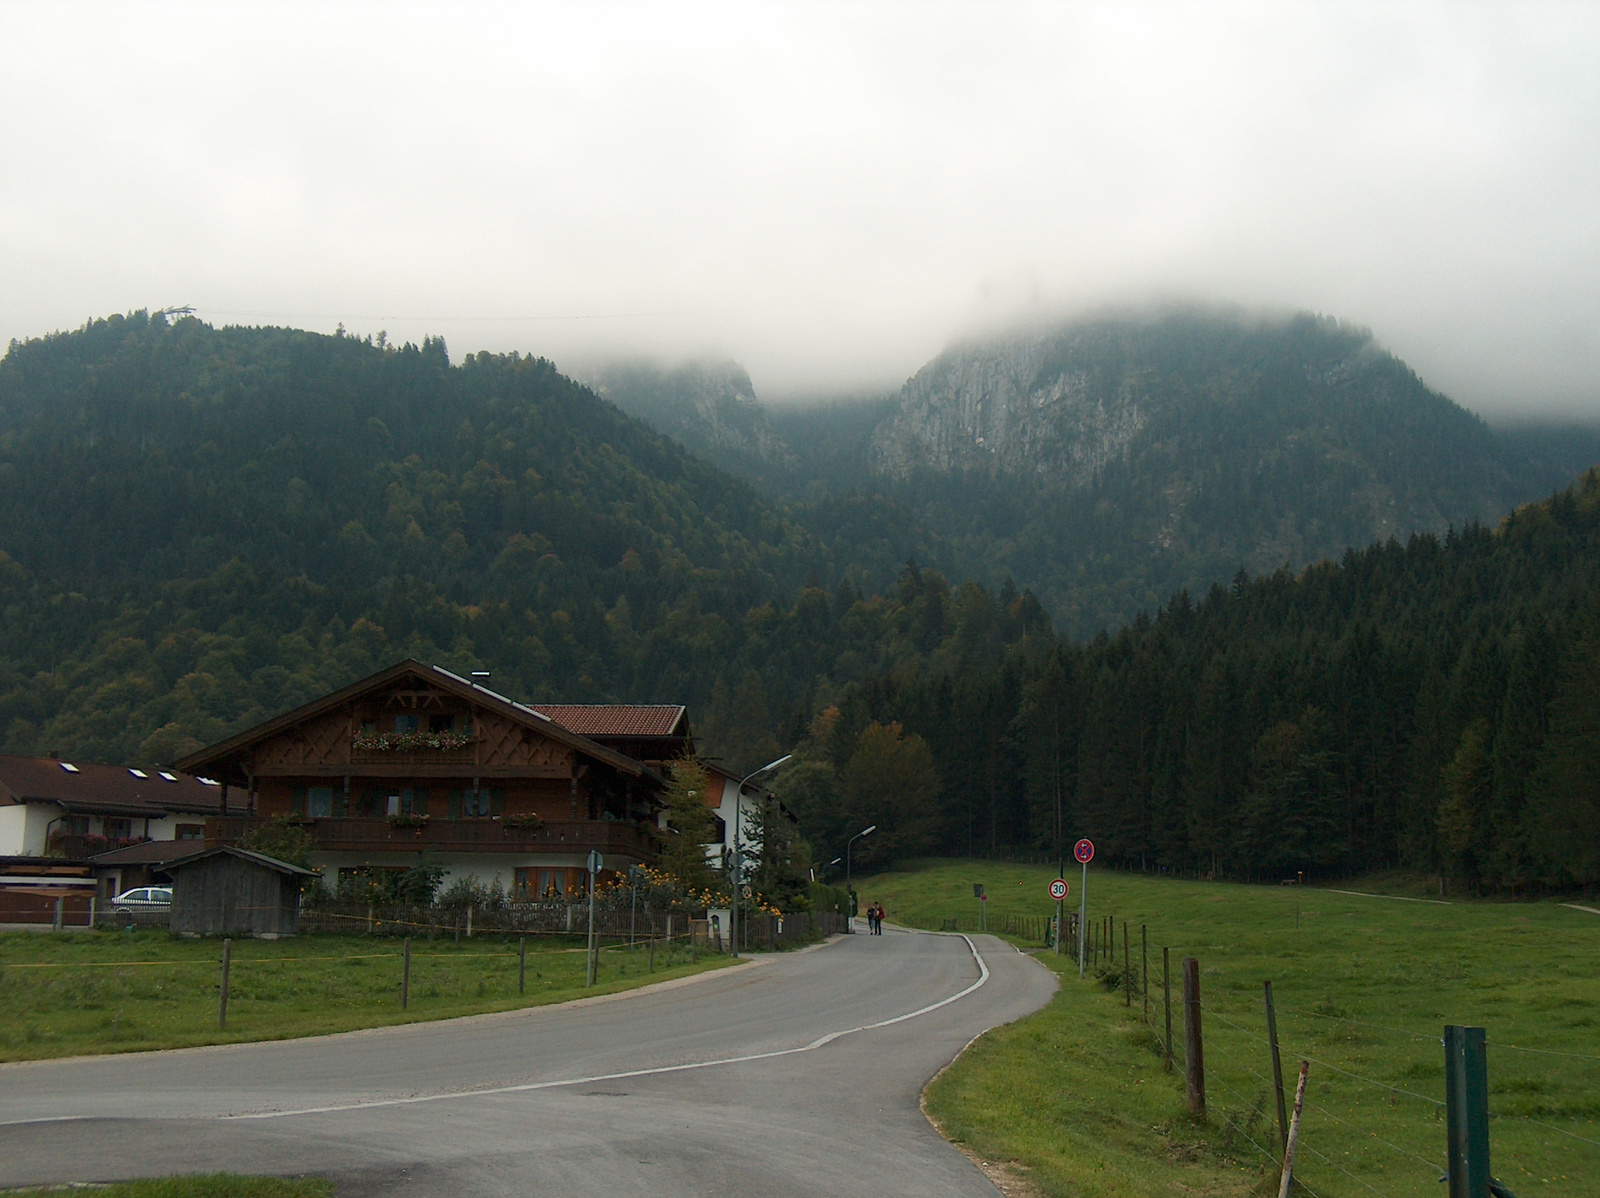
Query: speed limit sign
[{"x": 1058, "y": 889}]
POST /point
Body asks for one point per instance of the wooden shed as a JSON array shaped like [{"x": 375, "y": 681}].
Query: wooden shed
[{"x": 233, "y": 892}]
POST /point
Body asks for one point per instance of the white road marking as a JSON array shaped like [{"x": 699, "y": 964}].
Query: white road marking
[{"x": 819, "y": 1042}]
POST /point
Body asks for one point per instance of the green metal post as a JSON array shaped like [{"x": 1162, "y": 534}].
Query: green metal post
[{"x": 1466, "y": 1092}]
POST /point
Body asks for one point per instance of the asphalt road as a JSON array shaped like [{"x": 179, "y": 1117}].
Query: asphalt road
[{"x": 796, "y": 1075}]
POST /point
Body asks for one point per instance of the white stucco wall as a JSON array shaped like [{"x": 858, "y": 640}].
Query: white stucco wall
[
  {"x": 14, "y": 831},
  {"x": 725, "y": 809}
]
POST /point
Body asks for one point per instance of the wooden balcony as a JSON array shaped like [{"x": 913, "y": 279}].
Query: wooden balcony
[
  {"x": 64, "y": 844},
  {"x": 454, "y": 836}
]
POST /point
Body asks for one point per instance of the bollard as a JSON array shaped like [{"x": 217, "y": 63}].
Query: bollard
[
  {"x": 405, "y": 975},
  {"x": 522, "y": 964},
  {"x": 1194, "y": 1068},
  {"x": 222, "y": 990},
  {"x": 57, "y": 926}
]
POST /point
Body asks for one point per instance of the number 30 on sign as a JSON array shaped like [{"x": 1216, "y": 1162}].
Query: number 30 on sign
[{"x": 1059, "y": 889}]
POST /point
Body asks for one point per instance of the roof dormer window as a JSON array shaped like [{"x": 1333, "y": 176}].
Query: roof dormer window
[
  {"x": 168, "y": 777},
  {"x": 138, "y": 773},
  {"x": 69, "y": 767}
]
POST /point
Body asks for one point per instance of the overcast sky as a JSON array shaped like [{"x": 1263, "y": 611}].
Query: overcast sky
[{"x": 828, "y": 193}]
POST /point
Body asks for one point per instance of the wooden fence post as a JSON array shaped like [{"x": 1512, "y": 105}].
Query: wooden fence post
[
  {"x": 1166, "y": 989},
  {"x": 222, "y": 991},
  {"x": 1277, "y": 1065},
  {"x": 522, "y": 964},
  {"x": 1294, "y": 1133},
  {"x": 1194, "y": 1068},
  {"x": 405, "y": 975}
]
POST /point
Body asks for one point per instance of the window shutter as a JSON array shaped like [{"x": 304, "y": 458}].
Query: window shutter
[
  {"x": 497, "y": 801},
  {"x": 455, "y": 805},
  {"x": 297, "y": 800},
  {"x": 341, "y": 804},
  {"x": 419, "y": 800}
]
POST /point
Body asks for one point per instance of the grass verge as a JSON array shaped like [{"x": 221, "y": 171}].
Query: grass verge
[
  {"x": 1364, "y": 986},
  {"x": 100, "y": 992}
]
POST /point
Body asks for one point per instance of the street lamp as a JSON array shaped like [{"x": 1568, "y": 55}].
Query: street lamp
[
  {"x": 738, "y": 854},
  {"x": 864, "y": 832}
]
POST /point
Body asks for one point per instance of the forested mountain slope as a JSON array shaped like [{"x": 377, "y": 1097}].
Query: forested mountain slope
[
  {"x": 1433, "y": 704},
  {"x": 201, "y": 527},
  {"x": 1108, "y": 462}
]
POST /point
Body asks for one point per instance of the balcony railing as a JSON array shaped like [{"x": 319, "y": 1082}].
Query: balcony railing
[
  {"x": 65, "y": 844},
  {"x": 385, "y": 835}
]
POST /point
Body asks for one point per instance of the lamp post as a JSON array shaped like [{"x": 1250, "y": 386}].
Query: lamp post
[
  {"x": 851, "y": 917},
  {"x": 738, "y": 853}
]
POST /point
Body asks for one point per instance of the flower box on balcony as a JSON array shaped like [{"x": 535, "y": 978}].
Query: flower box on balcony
[
  {"x": 409, "y": 742},
  {"x": 408, "y": 821},
  {"x": 522, "y": 823}
]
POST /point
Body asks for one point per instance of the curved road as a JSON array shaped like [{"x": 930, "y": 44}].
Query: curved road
[{"x": 794, "y": 1075}]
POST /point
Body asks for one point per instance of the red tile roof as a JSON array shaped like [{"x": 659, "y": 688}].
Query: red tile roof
[
  {"x": 114, "y": 789},
  {"x": 615, "y": 719}
]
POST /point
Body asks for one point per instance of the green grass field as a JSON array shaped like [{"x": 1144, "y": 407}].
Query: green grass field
[
  {"x": 1364, "y": 987},
  {"x": 209, "y": 1185},
  {"x": 98, "y": 992}
]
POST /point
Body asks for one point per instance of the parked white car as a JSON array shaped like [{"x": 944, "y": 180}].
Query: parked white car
[{"x": 143, "y": 898}]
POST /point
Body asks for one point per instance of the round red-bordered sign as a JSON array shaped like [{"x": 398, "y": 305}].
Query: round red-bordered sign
[
  {"x": 1084, "y": 851},
  {"x": 1059, "y": 889}
]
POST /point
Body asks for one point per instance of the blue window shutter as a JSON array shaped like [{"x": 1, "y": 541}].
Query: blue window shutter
[
  {"x": 455, "y": 805},
  {"x": 297, "y": 800}
]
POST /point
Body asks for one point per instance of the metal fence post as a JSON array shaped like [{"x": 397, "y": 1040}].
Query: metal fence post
[
  {"x": 405, "y": 976},
  {"x": 222, "y": 990},
  {"x": 1166, "y": 995},
  {"x": 1466, "y": 1092},
  {"x": 1277, "y": 1066}
]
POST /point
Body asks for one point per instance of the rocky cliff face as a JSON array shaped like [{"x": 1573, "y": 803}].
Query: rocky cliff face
[
  {"x": 710, "y": 406},
  {"x": 1043, "y": 403}
]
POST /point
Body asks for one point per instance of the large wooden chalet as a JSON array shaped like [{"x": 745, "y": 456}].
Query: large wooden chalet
[{"x": 416, "y": 764}]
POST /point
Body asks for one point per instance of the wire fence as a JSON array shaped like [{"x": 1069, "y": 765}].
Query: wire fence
[{"x": 1374, "y": 1119}]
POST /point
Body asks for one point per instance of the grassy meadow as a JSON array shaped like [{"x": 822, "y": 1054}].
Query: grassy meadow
[
  {"x": 1364, "y": 986},
  {"x": 95, "y": 992}
]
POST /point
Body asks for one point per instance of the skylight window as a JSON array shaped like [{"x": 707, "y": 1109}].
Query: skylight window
[
  {"x": 169, "y": 777},
  {"x": 204, "y": 781},
  {"x": 138, "y": 773},
  {"x": 69, "y": 767}
]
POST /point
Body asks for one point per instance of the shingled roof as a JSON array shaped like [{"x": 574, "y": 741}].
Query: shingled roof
[
  {"x": 615, "y": 719},
  {"x": 104, "y": 789}
]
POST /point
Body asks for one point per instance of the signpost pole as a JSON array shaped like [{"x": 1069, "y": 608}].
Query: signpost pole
[
  {"x": 1084, "y": 852},
  {"x": 1058, "y": 891}
]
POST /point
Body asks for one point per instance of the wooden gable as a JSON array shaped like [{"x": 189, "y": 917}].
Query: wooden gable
[
  {"x": 340, "y": 741},
  {"x": 409, "y": 720}
]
